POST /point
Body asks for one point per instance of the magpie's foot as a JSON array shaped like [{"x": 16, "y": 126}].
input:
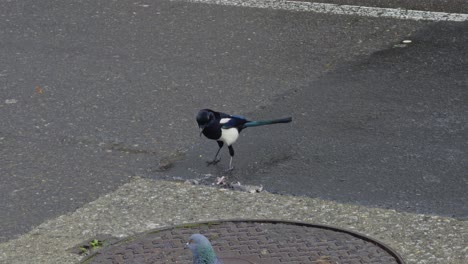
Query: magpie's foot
[
  {"x": 229, "y": 170},
  {"x": 213, "y": 162}
]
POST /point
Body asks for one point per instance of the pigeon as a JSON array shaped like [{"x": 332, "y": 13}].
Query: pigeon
[{"x": 202, "y": 250}]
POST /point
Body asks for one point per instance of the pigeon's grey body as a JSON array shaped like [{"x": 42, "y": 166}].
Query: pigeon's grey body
[{"x": 202, "y": 250}]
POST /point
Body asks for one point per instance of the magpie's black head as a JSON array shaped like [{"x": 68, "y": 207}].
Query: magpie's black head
[{"x": 204, "y": 117}]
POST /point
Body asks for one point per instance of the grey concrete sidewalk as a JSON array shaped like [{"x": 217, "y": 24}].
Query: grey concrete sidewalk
[{"x": 145, "y": 204}]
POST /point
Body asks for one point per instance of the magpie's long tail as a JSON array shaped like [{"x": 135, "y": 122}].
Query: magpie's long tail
[{"x": 267, "y": 122}]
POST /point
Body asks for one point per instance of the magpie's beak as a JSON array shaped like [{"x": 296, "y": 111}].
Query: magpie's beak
[{"x": 201, "y": 130}]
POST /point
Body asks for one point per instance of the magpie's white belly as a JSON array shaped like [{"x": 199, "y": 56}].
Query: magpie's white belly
[{"x": 229, "y": 136}]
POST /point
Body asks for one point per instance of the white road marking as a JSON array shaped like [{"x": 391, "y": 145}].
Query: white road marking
[{"x": 343, "y": 9}]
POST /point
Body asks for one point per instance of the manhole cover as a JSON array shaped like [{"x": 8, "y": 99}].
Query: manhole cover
[{"x": 251, "y": 241}]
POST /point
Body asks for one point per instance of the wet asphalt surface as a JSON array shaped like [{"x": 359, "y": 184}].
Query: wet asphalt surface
[{"x": 93, "y": 93}]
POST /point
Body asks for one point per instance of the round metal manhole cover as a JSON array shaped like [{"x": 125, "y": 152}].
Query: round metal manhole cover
[{"x": 251, "y": 241}]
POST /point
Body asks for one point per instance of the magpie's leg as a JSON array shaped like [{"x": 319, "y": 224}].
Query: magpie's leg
[
  {"x": 215, "y": 160},
  {"x": 231, "y": 152}
]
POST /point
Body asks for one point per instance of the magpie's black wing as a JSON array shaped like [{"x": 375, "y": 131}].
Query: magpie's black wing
[
  {"x": 233, "y": 121},
  {"x": 223, "y": 115}
]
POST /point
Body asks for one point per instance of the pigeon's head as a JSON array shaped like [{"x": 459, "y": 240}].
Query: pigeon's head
[
  {"x": 201, "y": 249},
  {"x": 204, "y": 117},
  {"x": 198, "y": 241}
]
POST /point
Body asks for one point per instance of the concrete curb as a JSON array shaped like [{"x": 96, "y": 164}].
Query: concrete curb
[{"x": 144, "y": 204}]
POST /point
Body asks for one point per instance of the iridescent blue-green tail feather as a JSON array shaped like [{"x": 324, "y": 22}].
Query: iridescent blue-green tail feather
[{"x": 267, "y": 122}]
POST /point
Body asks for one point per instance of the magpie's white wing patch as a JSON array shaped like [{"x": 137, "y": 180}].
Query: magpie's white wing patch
[{"x": 224, "y": 120}]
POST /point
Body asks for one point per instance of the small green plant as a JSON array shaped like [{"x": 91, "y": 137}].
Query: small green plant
[
  {"x": 83, "y": 249},
  {"x": 93, "y": 244}
]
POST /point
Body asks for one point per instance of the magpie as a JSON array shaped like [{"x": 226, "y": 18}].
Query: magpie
[{"x": 225, "y": 129}]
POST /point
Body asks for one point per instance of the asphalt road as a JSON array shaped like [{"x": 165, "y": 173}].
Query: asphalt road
[
  {"x": 92, "y": 93},
  {"x": 386, "y": 130}
]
